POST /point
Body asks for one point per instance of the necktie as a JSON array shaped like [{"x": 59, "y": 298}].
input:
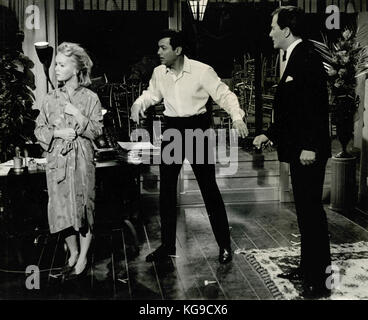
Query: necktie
[
  {"x": 284, "y": 56},
  {"x": 283, "y": 64}
]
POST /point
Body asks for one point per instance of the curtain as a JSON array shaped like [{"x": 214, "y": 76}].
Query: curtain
[{"x": 45, "y": 31}]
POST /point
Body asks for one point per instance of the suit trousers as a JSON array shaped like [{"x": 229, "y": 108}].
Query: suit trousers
[
  {"x": 205, "y": 174},
  {"x": 307, "y": 182}
]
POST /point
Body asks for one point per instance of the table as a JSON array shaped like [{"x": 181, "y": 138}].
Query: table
[{"x": 25, "y": 198}]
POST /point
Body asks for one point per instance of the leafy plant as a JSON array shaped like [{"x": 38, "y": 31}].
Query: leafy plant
[
  {"x": 16, "y": 100},
  {"x": 344, "y": 61}
]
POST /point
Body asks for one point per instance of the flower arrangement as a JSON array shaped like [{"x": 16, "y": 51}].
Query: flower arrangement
[{"x": 344, "y": 61}]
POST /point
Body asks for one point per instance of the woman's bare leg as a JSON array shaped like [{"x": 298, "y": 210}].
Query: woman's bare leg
[
  {"x": 85, "y": 242},
  {"x": 71, "y": 242}
]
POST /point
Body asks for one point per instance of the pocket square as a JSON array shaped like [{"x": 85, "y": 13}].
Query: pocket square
[{"x": 288, "y": 79}]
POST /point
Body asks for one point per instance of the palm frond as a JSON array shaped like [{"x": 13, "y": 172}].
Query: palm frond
[
  {"x": 327, "y": 66},
  {"x": 362, "y": 62},
  {"x": 324, "y": 50},
  {"x": 362, "y": 34}
]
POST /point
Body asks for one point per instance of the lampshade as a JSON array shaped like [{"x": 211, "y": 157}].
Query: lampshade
[
  {"x": 350, "y": 7},
  {"x": 198, "y": 8},
  {"x": 44, "y": 53}
]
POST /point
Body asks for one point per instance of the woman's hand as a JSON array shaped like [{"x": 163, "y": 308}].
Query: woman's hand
[
  {"x": 70, "y": 109},
  {"x": 67, "y": 134}
]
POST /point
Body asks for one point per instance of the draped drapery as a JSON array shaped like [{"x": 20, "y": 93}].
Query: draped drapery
[{"x": 45, "y": 30}]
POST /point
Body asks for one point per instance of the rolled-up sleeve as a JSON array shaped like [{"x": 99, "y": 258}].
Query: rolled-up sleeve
[
  {"x": 152, "y": 95},
  {"x": 44, "y": 131},
  {"x": 221, "y": 94}
]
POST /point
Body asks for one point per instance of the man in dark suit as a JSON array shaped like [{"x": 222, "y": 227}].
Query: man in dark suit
[{"x": 301, "y": 133}]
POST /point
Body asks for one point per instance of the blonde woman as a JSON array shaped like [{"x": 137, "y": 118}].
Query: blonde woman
[{"x": 70, "y": 119}]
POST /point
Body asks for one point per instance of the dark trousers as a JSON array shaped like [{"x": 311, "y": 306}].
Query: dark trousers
[
  {"x": 206, "y": 177},
  {"x": 307, "y": 184}
]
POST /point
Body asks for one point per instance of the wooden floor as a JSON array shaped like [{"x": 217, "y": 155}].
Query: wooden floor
[{"x": 118, "y": 272}]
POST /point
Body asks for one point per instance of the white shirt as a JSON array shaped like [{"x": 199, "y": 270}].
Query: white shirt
[
  {"x": 289, "y": 50},
  {"x": 186, "y": 95}
]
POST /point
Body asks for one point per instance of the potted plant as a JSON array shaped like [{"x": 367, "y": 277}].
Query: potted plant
[
  {"x": 17, "y": 122},
  {"x": 16, "y": 100},
  {"x": 16, "y": 85},
  {"x": 345, "y": 61}
]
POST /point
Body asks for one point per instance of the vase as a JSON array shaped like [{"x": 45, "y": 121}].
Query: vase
[
  {"x": 343, "y": 184},
  {"x": 344, "y": 132},
  {"x": 344, "y": 112}
]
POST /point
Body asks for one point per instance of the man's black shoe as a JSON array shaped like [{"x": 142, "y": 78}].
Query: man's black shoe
[
  {"x": 225, "y": 255},
  {"x": 161, "y": 253},
  {"x": 294, "y": 274},
  {"x": 315, "y": 292}
]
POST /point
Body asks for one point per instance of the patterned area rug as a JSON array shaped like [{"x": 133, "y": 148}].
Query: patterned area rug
[{"x": 349, "y": 279}]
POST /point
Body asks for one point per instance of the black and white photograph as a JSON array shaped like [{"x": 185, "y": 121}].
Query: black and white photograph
[{"x": 182, "y": 156}]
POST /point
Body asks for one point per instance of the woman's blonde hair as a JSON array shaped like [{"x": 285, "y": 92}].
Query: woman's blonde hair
[{"x": 82, "y": 60}]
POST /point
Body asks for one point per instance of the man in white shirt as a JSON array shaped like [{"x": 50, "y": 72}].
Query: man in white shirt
[{"x": 185, "y": 86}]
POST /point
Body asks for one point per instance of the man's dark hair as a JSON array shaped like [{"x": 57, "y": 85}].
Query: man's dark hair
[
  {"x": 176, "y": 38},
  {"x": 291, "y": 17}
]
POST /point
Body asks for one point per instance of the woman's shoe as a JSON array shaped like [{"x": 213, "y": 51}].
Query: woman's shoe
[
  {"x": 67, "y": 268},
  {"x": 72, "y": 275}
]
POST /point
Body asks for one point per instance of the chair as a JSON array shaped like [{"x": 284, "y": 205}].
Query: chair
[{"x": 122, "y": 97}]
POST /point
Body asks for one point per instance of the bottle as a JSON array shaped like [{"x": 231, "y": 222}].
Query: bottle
[
  {"x": 17, "y": 152},
  {"x": 18, "y": 161},
  {"x": 1, "y": 203},
  {"x": 25, "y": 157}
]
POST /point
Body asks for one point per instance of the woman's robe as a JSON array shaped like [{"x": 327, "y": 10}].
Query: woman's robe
[{"x": 70, "y": 169}]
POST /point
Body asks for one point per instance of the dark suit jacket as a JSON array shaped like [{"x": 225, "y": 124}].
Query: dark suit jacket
[{"x": 301, "y": 120}]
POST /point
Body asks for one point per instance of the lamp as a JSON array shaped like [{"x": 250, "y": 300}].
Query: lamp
[
  {"x": 350, "y": 7},
  {"x": 44, "y": 53},
  {"x": 198, "y": 7}
]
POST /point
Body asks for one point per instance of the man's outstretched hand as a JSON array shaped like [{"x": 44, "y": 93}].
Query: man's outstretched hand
[
  {"x": 241, "y": 128},
  {"x": 137, "y": 111}
]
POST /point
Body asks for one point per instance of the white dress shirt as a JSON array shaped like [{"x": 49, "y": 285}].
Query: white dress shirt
[
  {"x": 186, "y": 95},
  {"x": 289, "y": 50}
]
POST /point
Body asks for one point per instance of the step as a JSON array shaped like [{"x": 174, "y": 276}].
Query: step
[
  {"x": 241, "y": 196},
  {"x": 244, "y": 169},
  {"x": 231, "y": 196},
  {"x": 252, "y": 177},
  {"x": 254, "y": 180}
]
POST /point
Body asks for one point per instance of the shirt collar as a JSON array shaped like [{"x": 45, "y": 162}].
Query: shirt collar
[
  {"x": 186, "y": 66},
  {"x": 290, "y": 49},
  {"x": 63, "y": 89}
]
